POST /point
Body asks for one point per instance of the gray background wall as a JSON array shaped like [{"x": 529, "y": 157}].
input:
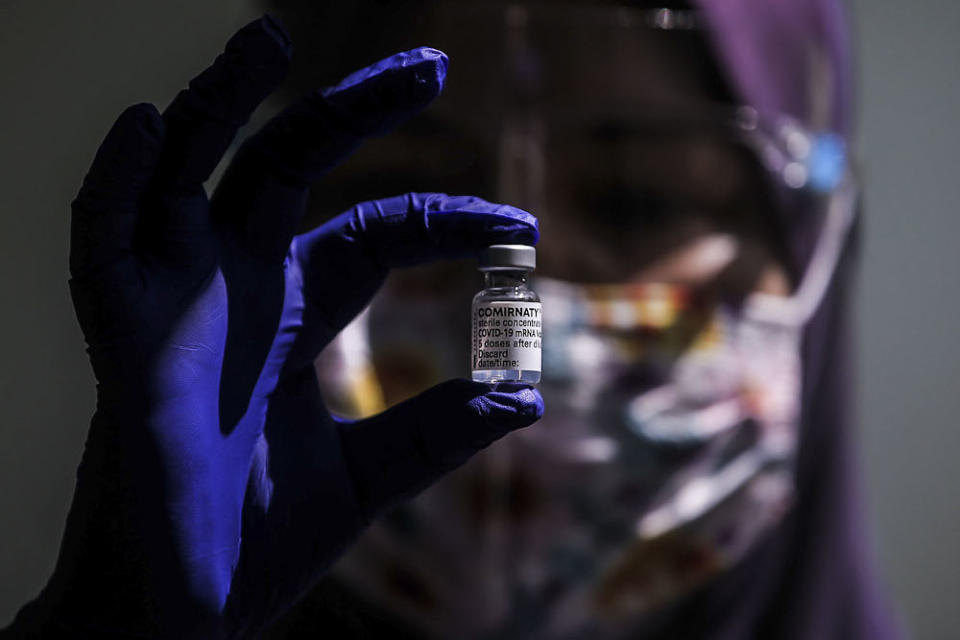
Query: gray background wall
[
  {"x": 909, "y": 346},
  {"x": 67, "y": 69}
]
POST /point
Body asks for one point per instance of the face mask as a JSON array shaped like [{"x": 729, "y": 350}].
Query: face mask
[
  {"x": 679, "y": 417},
  {"x": 671, "y": 432}
]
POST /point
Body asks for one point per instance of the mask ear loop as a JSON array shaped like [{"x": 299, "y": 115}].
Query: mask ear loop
[{"x": 797, "y": 309}]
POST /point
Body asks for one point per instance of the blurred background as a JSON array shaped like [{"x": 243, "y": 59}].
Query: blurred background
[{"x": 67, "y": 70}]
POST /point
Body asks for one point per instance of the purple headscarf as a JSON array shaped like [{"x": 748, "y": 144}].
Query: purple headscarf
[
  {"x": 815, "y": 577},
  {"x": 787, "y": 57}
]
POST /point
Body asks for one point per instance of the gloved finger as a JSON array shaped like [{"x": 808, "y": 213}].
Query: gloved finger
[
  {"x": 105, "y": 209},
  {"x": 264, "y": 190},
  {"x": 204, "y": 118},
  {"x": 396, "y": 454},
  {"x": 201, "y": 123},
  {"x": 345, "y": 260}
]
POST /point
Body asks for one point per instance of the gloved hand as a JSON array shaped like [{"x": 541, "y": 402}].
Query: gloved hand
[{"x": 215, "y": 487}]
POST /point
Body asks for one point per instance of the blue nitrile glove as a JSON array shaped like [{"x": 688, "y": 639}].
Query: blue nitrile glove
[{"x": 215, "y": 487}]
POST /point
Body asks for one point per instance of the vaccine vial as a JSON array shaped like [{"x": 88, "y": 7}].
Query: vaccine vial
[{"x": 505, "y": 341}]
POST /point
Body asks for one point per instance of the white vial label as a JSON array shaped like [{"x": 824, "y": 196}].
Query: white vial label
[{"x": 506, "y": 336}]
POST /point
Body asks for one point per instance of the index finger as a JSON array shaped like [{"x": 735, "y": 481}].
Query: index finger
[{"x": 345, "y": 260}]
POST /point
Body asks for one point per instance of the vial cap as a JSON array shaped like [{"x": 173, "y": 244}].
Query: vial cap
[{"x": 508, "y": 256}]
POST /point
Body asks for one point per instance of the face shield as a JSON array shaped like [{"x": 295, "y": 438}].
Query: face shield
[{"x": 686, "y": 240}]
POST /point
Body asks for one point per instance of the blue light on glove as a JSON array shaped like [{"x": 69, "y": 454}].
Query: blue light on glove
[{"x": 215, "y": 487}]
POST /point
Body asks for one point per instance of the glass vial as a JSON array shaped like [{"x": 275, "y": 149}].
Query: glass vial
[{"x": 505, "y": 342}]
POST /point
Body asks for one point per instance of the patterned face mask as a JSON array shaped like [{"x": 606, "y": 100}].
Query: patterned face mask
[
  {"x": 678, "y": 418},
  {"x": 670, "y": 438}
]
